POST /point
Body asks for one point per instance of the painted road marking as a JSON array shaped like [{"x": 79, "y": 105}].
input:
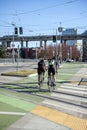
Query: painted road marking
[
  {"x": 11, "y": 113},
  {"x": 70, "y": 121},
  {"x": 19, "y": 103}
]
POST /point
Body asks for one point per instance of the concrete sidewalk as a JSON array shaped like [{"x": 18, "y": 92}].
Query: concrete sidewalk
[
  {"x": 9, "y": 79},
  {"x": 44, "y": 118},
  {"x": 33, "y": 122}
]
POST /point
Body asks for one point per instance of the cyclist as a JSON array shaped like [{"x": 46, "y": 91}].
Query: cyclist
[
  {"x": 41, "y": 69},
  {"x": 51, "y": 69}
]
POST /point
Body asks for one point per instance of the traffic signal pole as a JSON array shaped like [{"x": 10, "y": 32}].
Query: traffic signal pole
[
  {"x": 13, "y": 45},
  {"x": 60, "y": 29},
  {"x": 56, "y": 46}
]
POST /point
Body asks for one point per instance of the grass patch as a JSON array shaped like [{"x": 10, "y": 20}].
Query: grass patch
[{"x": 22, "y": 73}]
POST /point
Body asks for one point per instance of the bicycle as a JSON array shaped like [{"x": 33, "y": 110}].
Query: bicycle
[
  {"x": 41, "y": 80},
  {"x": 50, "y": 83}
]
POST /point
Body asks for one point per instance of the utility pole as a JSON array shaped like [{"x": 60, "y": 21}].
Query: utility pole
[
  {"x": 56, "y": 46},
  {"x": 13, "y": 45},
  {"x": 60, "y": 29},
  {"x": 15, "y": 32}
]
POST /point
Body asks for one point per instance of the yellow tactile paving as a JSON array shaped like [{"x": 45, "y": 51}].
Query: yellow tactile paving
[{"x": 70, "y": 121}]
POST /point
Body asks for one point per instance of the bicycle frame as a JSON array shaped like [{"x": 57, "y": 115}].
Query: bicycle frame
[{"x": 41, "y": 80}]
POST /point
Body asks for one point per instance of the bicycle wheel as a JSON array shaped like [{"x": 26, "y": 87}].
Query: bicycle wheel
[
  {"x": 53, "y": 83},
  {"x": 41, "y": 81},
  {"x": 50, "y": 84}
]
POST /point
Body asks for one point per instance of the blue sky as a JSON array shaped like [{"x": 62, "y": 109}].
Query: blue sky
[{"x": 42, "y": 17}]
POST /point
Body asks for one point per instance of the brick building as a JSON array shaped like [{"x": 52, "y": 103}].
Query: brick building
[{"x": 27, "y": 53}]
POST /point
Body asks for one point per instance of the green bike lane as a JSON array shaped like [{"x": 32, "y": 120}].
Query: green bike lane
[{"x": 29, "y": 106}]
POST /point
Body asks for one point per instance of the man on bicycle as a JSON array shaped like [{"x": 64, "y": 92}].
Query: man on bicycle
[
  {"x": 51, "y": 69},
  {"x": 41, "y": 68}
]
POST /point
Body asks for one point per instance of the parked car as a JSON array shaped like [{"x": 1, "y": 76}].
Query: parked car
[{"x": 69, "y": 60}]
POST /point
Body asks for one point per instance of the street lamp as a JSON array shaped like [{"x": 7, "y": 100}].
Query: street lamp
[{"x": 60, "y": 29}]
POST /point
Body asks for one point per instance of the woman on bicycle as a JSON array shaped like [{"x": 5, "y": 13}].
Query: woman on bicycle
[
  {"x": 41, "y": 68},
  {"x": 51, "y": 69}
]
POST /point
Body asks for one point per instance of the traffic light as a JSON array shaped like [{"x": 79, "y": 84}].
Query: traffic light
[
  {"x": 54, "y": 38},
  {"x": 20, "y": 30},
  {"x": 16, "y": 30}
]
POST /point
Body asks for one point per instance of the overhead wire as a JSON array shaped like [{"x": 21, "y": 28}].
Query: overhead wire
[
  {"x": 48, "y": 7},
  {"x": 43, "y": 8}
]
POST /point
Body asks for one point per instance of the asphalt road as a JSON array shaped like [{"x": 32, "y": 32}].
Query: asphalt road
[{"x": 13, "y": 67}]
